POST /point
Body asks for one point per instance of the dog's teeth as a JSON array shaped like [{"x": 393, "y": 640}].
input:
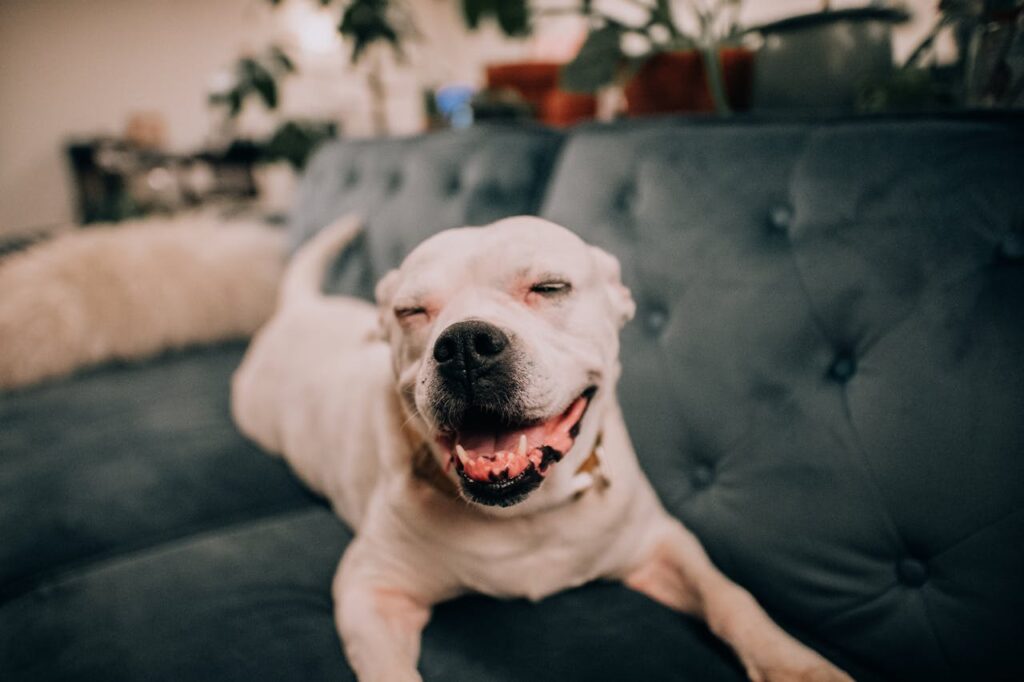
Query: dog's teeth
[
  {"x": 461, "y": 452},
  {"x": 522, "y": 445}
]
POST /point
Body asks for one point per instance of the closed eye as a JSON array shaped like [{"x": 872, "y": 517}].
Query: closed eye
[
  {"x": 551, "y": 288},
  {"x": 405, "y": 312}
]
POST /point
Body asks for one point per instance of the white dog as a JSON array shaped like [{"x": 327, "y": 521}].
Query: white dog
[{"x": 468, "y": 429}]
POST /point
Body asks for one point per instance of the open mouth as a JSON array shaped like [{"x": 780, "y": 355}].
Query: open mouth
[{"x": 502, "y": 465}]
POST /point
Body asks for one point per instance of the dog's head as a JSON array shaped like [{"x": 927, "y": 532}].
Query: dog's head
[{"x": 505, "y": 344}]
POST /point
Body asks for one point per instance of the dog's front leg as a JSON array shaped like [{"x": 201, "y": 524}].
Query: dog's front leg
[
  {"x": 380, "y": 616},
  {"x": 677, "y": 572}
]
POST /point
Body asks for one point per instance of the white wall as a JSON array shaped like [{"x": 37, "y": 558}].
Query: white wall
[
  {"x": 70, "y": 68},
  {"x": 77, "y": 67}
]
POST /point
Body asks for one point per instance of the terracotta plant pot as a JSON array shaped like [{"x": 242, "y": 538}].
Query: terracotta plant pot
[
  {"x": 532, "y": 80},
  {"x": 561, "y": 108},
  {"x": 537, "y": 84},
  {"x": 676, "y": 81}
]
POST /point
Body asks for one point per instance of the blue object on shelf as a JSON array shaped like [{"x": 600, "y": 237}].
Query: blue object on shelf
[{"x": 453, "y": 102}]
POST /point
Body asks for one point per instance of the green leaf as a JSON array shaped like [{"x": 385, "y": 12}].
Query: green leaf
[
  {"x": 246, "y": 71},
  {"x": 596, "y": 62},
  {"x": 513, "y": 17},
  {"x": 218, "y": 99},
  {"x": 234, "y": 102},
  {"x": 366, "y": 21},
  {"x": 267, "y": 89},
  {"x": 256, "y": 78},
  {"x": 280, "y": 58},
  {"x": 472, "y": 11}
]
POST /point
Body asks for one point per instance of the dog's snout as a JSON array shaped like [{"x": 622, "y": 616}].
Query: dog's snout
[
  {"x": 472, "y": 344},
  {"x": 475, "y": 365}
]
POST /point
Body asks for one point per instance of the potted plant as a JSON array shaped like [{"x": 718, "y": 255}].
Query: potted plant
[
  {"x": 667, "y": 58},
  {"x": 994, "y": 67},
  {"x": 535, "y": 83},
  {"x": 988, "y": 70},
  {"x": 253, "y": 76},
  {"x": 367, "y": 23},
  {"x": 821, "y": 60},
  {"x": 281, "y": 159},
  {"x": 271, "y": 164}
]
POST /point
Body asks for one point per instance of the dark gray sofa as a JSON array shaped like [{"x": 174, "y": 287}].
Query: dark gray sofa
[{"x": 824, "y": 380}]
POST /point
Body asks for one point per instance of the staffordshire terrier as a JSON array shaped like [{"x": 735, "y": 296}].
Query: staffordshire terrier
[{"x": 467, "y": 429}]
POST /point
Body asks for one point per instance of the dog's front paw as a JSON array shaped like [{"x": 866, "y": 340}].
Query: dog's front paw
[
  {"x": 392, "y": 675},
  {"x": 790, "y": 661}
]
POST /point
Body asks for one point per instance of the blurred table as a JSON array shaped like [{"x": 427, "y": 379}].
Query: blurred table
[{"x": 116, "y": 180}]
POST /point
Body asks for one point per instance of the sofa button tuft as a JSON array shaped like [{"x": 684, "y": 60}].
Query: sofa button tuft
[
  {"x": 911, "y": 572},
  {"x": 492, "y": 193},
  {"x": 656, "y": 319},
  {"x": 703, "y": 475},
  {"x": 780, "y": 217},
  {"x": 1011, "y": 248},
  {"x": 394, "y": 182},
  {"x": 453, "y": 186},
  {"x": 624, "y": 198},
  {"x": 843, "y": 367}
]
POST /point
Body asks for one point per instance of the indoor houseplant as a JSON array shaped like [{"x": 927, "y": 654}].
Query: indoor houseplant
[
  {"x": 536, "y": 83},
  {"x": 667, "y": 57},
  {"x": 987, "y": 69},
  {"x": 820, "y": 61}
]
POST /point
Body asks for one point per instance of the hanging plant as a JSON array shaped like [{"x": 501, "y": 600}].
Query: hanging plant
[
  {"x": 512, "y": 16},
  {"x": 254, "y": 76},
  {"x": 615, "y": 49},
  {"x": 365, "y": 22}
]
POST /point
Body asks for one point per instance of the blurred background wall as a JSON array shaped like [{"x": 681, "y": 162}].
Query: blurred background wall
[{"x": 73, "y": 68}]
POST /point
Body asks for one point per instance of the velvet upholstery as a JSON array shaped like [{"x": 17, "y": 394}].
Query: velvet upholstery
[
  {"x": 824, "y": 380},
  {"x": 405, "y": 188}
]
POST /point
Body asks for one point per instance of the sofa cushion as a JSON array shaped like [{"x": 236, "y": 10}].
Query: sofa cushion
[
  {"x": 409, "y": 188},
  {"x": 253, "y": 601},
  {"x": 824, "y": 378},
  {"x": 124, "y": 458}
]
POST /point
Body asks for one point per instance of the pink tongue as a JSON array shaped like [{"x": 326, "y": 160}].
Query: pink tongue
[
  {"x": 486, "y": 443},
  {"x": 491, "y": 454}
]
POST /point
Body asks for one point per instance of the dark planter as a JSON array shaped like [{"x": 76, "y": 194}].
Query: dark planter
[
  {"x": 561, "y": 108},
  {"x": 677, "y": 82},
  {"x": 821, "y": 61},
  {"x": 537, "y": 84},
  {"x": 532, "y": 80}
]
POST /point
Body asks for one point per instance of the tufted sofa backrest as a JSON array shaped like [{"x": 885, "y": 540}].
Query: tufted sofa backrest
[
  {"x": 409, "y": 188},
  {"x": 825, "y": 376}
]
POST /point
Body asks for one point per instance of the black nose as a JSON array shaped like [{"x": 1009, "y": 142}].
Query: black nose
[{"x": 471, "y": 346}]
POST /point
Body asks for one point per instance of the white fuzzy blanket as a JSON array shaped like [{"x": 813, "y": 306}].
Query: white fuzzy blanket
[{"x": 132, "y": 290}]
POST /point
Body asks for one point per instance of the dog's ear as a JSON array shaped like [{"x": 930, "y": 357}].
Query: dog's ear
[
  {"x": 383, "y": 293},
  {"x": 386, "y": 288},
  {"x": 618, "y": 294}
]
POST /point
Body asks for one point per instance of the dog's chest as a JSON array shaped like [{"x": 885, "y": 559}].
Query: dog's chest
[{"x": 531, "y": 560}]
